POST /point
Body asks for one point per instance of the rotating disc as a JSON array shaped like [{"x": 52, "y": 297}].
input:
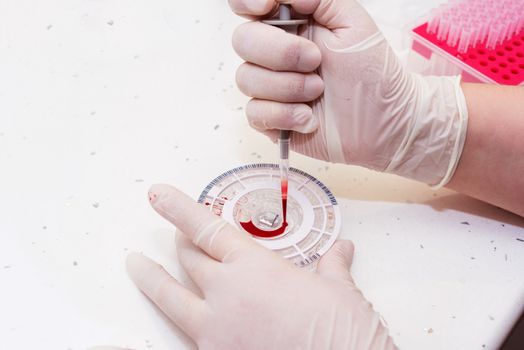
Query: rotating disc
[{"x": 249, "y": 198}]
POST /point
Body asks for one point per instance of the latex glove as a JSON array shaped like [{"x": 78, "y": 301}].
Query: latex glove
[
  {"x": 250, "y": 297},
  {"x": 341, "y": 87}
]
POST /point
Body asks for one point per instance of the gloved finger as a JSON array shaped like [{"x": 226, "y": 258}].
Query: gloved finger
[
  {"x": 332, "y": 14},
  {"x": 253, "y": 8},
  {"x": 183, "y": 307},
  {"x": 266, "y": 115},
  {"x": 261, "y": 83},
  {"x": 341, "y": 25},
  {"x": 337, "y": 261},
  {"x": 199, "y": 266},
  {"x": 273, "y": 48},
  {"x": 212, "y": 234}
]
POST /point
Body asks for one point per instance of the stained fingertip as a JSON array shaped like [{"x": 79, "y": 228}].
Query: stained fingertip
[
  {"x": 173, "y": 205},
  {"x": 152, "y": 196},
  {"x": 157, "y": 191}
]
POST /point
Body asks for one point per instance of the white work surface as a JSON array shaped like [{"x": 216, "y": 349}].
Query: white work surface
[{"x": 101, "y": 98}]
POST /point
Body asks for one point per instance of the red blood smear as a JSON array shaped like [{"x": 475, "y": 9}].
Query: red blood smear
[{"x": 255, "y": 231}]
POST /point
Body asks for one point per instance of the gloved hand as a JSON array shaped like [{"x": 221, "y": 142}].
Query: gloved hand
[
  {"x": 250, "y": 298},
  {"x": 342, "y": 89}
]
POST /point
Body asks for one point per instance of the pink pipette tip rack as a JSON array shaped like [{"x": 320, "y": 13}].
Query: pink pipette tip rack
[{"x": 484, "y": 38}]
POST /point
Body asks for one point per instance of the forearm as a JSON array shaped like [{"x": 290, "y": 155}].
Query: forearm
[{"x": 491, "y": 167}]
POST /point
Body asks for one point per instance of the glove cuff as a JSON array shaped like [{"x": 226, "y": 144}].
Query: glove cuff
[
  {"x": 432, "y": 146},
  {"x": 460, "y": 136}
]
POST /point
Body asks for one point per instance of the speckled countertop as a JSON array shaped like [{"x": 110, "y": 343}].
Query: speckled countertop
[{"x": 99, "y": 99}]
